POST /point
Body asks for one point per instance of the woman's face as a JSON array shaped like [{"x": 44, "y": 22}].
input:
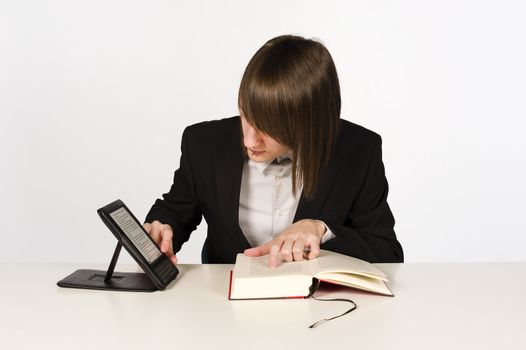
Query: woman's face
[{"x": 261, "y": 148}]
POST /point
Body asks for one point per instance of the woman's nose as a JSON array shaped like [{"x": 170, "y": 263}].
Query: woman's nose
[{"x": 252, "y": 137}]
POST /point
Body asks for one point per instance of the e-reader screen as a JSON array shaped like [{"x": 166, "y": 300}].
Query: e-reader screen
[{"x": 136, "y": 234}]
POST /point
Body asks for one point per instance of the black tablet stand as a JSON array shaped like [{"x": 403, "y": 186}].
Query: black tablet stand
[{"x": 109, "y": 280}]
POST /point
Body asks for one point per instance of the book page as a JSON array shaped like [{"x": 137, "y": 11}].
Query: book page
[
  {"x": 356, "y": 281},
  {"x": 334, "y": 262},
  {"x": 258, "y": 267},
  {"x": 326, "y": 262}
]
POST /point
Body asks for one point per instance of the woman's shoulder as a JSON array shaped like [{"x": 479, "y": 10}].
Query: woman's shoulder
[
  {"x": 224, "y": 123},
  {"x": 354, "y": 133},
  {"x": 215, "y": 129}
]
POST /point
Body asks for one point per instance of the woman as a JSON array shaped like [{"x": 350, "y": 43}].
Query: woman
[{"x": 301, "y": 179}]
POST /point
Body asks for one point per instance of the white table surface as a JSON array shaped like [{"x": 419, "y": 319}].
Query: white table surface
[{"x": 437, "y": 306}]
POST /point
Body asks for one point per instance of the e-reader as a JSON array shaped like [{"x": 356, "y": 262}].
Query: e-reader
[{"x": 159, "y": 271}]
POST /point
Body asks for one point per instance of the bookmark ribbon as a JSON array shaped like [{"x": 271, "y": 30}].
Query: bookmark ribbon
[{"x": 313, "y": 288}]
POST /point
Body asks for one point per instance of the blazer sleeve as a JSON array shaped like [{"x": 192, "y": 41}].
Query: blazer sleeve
[
  {"x": 179, "y": 208},
  {"x": 368, "y": 229}
]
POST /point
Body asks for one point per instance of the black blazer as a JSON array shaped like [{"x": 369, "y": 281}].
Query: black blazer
[{"x": 350, "y": 197}]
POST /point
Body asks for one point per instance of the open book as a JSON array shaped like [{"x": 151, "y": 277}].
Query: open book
[{"x": 253, "y": 279}]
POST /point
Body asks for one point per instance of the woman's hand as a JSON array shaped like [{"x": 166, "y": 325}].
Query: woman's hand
[
  {"x": 162, "y": 235},
  {"x": 299, "y": 241}
]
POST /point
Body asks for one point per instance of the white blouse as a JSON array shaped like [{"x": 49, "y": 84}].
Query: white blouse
[{"x": 267, "y": 205}]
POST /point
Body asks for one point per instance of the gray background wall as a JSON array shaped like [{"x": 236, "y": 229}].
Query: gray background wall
[{"x": 94, "y": 97}]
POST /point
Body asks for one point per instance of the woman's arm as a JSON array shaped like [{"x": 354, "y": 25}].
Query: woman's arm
[
  {"x": 179, "y": 207},
  {"x": 367, "y": 232}
]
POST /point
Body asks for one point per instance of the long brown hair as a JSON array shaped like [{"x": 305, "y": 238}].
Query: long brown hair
[{"x": 290, "y": 92}]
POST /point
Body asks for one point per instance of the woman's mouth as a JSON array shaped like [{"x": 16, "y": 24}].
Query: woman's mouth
[{"x": 255, "y": 153}]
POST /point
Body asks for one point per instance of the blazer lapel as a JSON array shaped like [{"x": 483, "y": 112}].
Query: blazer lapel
[
  {"x": 312, "y": 208},
  {"x": 229, "y": 164}
]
